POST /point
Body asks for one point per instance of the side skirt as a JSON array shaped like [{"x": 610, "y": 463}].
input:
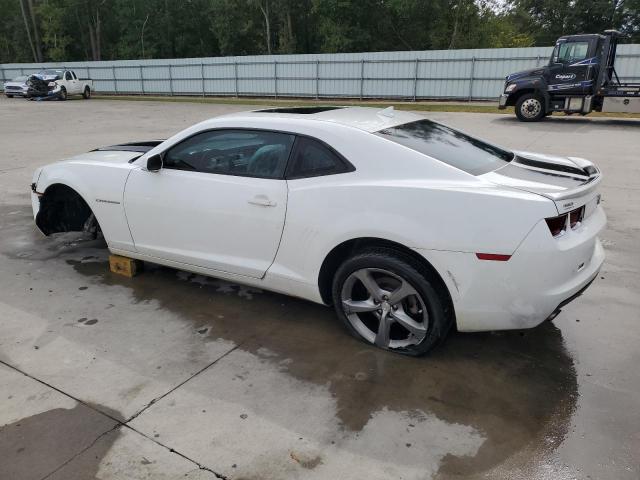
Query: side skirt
[{"x": 271, "y": 282}]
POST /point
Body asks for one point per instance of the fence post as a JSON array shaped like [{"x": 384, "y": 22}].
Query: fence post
[
  {"x": 275, "y": 78},
  {"x": 361, "y": 77},
  {"x": 170, "y": 80},
  {"x": 415, "y": 80},
  {"x": 202, "y": 76},
  {"x": 473, "y": 68},
  {"x": 235, "y": 76},
  {"x": 115, "y": 80},
  {"x": 141, "y": 79},
  {"x": 317, "y": 79}
]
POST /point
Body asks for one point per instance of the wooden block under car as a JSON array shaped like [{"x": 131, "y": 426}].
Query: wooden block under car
[{"x": 124, "y": 265}]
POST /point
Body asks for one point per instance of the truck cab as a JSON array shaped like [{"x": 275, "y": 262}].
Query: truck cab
[{"x": 579, "y": 77}]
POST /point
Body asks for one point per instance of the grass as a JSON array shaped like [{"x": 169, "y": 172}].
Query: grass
[{"x": 421, "y": 106}]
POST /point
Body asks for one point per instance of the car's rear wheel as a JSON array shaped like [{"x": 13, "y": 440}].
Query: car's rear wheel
[
  {"x": 385, "y": 300},
  {"x": 530, "y": 108},
  {"x": 87, "y": 93}
]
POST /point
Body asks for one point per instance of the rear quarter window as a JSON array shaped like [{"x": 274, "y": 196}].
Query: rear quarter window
[
  {"x": 312, "y": 158},
  {"x": 448, "y": 146}
]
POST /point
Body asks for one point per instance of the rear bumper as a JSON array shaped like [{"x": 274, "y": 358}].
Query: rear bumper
[{"x": 542, "y": 275}]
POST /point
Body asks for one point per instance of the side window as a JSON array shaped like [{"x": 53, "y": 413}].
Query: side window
[
  {"x": 67, "y": 76},
  {"x": 312, "y": 158},
  {"x": 249, "y": 153},
  {"x": 570, "y": 52}
]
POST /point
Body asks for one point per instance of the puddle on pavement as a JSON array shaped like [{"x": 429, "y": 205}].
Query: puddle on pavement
[
  {"x": 518, "y": 389},
  {"x": 35, "y": 446}
]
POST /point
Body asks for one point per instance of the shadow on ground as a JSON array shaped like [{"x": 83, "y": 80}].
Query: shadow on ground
[
  {"x": 576, "y": 120},
  {"x": 36, "y": 446}
]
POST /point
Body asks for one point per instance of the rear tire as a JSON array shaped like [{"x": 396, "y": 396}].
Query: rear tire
[
  {"x": 395, "y": 307},
  {"x": 530, "y": 108},
  {"x": 87, "y": 93}
]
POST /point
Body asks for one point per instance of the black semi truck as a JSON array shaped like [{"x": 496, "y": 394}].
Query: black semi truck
[{"x": 580, "y": 78}]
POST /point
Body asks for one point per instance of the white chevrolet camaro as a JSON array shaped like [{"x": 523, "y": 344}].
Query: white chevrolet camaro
[{"x": 406, "y": 226}]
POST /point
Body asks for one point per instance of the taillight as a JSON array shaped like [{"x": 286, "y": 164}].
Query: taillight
[
  {"x": 575, "y": 217},
  {"x": 557, "y": 225}
]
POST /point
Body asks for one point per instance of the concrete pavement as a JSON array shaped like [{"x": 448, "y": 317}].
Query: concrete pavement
[{"x": 173, "y": 375}]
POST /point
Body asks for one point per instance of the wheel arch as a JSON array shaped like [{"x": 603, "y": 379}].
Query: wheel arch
[
  {"x": 515, "y": 96},
  {"x": 352, "y": 246},
  {"x": 62, "y": 209}
]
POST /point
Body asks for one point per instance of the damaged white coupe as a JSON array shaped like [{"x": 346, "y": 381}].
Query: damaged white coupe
[{"x": 406, "y": 226}]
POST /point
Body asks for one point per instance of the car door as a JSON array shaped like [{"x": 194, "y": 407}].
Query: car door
[
  {"x": 69, "y": 83},
  {"x": 77, "y": 84},
  {"x": 571, "y": 67},
  {"x": 218, "y": 202}
]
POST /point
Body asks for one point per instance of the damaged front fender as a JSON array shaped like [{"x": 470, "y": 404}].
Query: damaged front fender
[{"x": 62, "y": 209}]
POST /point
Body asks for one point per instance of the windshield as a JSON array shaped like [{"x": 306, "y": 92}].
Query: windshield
[
  {"x": 569, "y": 52},
  {"x": 50, "y": 73},
  {"x": 449, "y": 146}
]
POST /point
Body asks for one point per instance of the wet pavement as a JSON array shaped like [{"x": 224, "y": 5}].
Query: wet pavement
[{"x": 174, "y": 375}]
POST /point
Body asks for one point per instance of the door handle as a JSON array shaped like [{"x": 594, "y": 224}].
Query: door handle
[{"x": 262, "y": 201}]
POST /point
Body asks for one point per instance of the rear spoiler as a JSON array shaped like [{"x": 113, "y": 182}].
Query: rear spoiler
[
  {"x": 590, "y": 186},
  {"x": 575, "y": 167}
]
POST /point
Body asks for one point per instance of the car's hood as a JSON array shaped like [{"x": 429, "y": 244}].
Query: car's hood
[
  {"x": 525, "y": 73},
  {"x": 116, "y": 154},
  {"x": 104, "y": 157},
  {"x": 567, "y": 181}
]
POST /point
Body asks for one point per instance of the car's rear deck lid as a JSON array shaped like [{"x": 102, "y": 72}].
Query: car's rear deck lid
[{"x": 568, "y": 181}]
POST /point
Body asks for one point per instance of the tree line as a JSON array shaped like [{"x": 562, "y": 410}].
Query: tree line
[{"x": 68, "y": 30}]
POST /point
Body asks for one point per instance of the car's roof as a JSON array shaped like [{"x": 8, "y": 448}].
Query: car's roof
[{"x": 365, "y": 118}]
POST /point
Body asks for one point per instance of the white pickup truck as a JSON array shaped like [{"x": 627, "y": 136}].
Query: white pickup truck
[{"x": 62, "y": 83}]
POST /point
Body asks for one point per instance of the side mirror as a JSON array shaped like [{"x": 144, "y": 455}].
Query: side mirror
[{"x": 154, "y": 163}]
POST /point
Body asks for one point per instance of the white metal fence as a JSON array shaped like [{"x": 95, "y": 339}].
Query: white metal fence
[{"x": 440, "y": 74}]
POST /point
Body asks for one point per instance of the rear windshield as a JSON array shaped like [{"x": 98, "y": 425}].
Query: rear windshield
[{"x": 449, "y": 146}]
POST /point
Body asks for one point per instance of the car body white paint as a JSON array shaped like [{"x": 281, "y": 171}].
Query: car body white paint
[
  {"x": 218, "y": 225},
  {"x": 16, "y": 87}
]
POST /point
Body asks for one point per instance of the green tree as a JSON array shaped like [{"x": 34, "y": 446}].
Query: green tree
[{"x": 66, "y": 30}]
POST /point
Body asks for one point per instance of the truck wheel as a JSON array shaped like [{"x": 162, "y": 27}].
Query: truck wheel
[
  {"x": 87, "y": 93},
  {"x": 530, "y": 108},
  {"x": 63, "y": 93}
]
